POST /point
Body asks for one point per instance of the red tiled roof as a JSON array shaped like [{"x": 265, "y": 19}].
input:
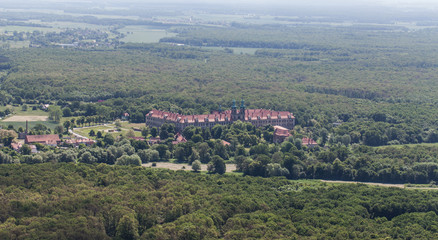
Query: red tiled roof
[
  {"x": 225, "y": 143},
  {"x": 281, "y": 131},
  {"x": 308, "y": 141},
  {"x": 45, "y": 139},
  {"x": 16, "y": 146},
  {"x": 179, "y": 139},
  {"x": 251, "y": 114}
]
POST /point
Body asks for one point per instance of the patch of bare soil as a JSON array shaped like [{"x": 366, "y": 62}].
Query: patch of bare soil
[{"x": 26, "y": 118}]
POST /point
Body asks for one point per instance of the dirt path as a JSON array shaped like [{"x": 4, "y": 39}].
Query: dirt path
[{"x": 175, "y": 166}]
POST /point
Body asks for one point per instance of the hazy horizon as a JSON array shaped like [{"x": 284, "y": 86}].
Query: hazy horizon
[{"x": 376, "y": 3}]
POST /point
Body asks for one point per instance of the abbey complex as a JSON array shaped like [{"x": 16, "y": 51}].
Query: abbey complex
[{"x": 257, "y": 117}]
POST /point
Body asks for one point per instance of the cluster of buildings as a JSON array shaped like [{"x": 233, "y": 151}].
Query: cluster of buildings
[
  {"x": 282, "y": 121},
  {"x": 49, "y": 140},
  {"x": 257, "y": 117}
]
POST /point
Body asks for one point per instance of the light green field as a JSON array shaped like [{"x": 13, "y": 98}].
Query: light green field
[
  {"x": 63, "y": 25},
  {"x": 249, "y": 51},
  {"x": 16, "y": 125},
  {"x": 126, "y": 124},
  {"x": 14, "y": 44},
  {"x": 144, "y": 34},
  {"x": 86, "y": 130},
  {"x": 18, "y": 112}
]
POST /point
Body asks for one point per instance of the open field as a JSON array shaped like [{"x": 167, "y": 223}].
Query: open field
[
  {"x": 144, "y": 34},
  {"x": 16, "y": 125},
  {"x": 17, "y": 110},
  {"x": 15, "y": 44},
  {"x": 84, "y": 131},
  {"x": 127, "y": 124},
  {"x": 175, "y": 166},
  {"x": 17, "y": 118}
]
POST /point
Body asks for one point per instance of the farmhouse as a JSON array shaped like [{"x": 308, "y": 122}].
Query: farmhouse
[
  {"x": 50, "y": 140},
  {"x": 257, "y": 117}
]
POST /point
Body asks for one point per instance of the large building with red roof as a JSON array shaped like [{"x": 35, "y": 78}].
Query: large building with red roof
[
  {"x": 257, "y": 117},
  {"x": 51, "y": 140}
]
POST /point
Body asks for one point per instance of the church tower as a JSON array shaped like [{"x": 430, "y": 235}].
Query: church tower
[
  {"x": 242, "y": 110},
  {"x": 234, "y": 114}
]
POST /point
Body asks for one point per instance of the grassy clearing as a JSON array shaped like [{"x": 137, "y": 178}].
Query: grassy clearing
[
  {"x": 17, "y": 110},
  {"x": 15, "y": 44},
  {"x": 63, "y": 25},
  {"x": 84, "y": 131},
  {"x": 144, "y": 34},
  {"x": 132, "y": 125},
  {"x": 21, "y": 118}
]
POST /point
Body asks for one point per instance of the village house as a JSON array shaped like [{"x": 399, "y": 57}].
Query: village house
[
  {"x": 179, "y": 139},
  {"x": 257, "y": 117},
  {"x": 125, "y": 116},
  {"x": 225, "y": 143},
  {"x": 308, "y": 142}
]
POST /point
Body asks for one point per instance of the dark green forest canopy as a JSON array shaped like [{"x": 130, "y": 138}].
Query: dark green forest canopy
[{"x": 100, "y": 201}]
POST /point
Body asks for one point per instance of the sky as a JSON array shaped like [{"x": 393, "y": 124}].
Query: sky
[
  {"x": 398, "y": 4},
  {"x": 271, "y": 2}
]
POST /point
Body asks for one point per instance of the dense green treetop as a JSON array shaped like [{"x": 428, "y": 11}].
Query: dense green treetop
[{"x": 102, "y": 202}]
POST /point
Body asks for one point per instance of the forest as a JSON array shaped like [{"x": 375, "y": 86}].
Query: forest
[
  {"x": 364, "y": 90},
  {"x": 103, "y": 202}
]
